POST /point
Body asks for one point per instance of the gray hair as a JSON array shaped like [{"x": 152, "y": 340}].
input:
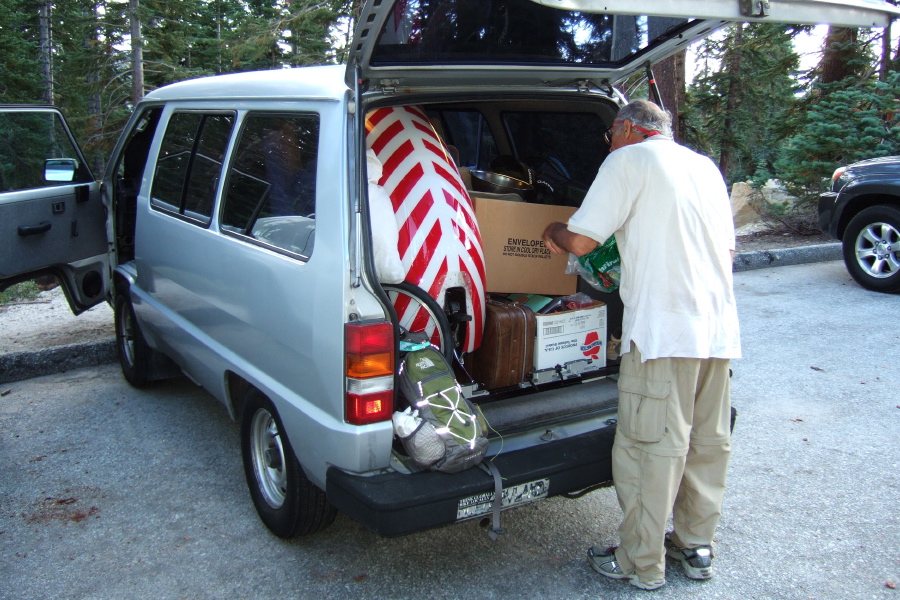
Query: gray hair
[{"x": 647, "y": 115}]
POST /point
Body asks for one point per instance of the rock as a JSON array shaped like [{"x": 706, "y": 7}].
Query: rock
[{"x": 744, "y": 214}]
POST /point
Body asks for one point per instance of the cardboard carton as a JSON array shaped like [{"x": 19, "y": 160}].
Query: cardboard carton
[
  {"x": 516, "y": 259},
  {"x": 571, "y": 335}
]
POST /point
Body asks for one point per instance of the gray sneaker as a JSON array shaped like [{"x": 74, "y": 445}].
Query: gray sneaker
[
  {"x": 696, "y": 562},
  {"x": 605, "y": 563}
]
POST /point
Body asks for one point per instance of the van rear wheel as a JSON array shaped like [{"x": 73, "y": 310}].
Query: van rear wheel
[
  {"x": 133, "y": 351},
  {"x": 286, "y": 501}
]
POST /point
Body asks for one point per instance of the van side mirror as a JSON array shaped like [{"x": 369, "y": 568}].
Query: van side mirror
[{"x": 60, "y": 169}]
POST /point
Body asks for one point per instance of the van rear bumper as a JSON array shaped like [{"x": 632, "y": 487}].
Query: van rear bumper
[{"x": 393, "y": 504}]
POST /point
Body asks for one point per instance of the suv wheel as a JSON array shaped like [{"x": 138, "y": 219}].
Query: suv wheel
[
  {"x": 133, "y": 351},
  {"x": 286, "y": 501},
  {"x": 871, "y": 247}
]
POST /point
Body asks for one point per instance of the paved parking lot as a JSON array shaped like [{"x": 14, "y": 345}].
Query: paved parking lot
[{"x": 108, "y": 492}]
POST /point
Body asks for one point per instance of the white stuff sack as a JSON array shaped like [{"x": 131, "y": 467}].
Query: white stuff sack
[{"x": 388, "y": 267}]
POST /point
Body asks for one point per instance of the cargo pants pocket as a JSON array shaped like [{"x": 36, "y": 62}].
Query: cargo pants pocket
[{"x": 643, "y": 405}]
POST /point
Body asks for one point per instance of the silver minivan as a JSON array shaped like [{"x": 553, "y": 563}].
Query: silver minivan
[{"x": 233, "y": 234}]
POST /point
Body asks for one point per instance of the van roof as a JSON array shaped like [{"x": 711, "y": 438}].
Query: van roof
[{"x": 321, "y": 82}]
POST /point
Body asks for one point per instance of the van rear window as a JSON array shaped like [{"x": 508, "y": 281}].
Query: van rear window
[
  {"x": 270, "y": 196},
  {"x": 515, "y": 32}
]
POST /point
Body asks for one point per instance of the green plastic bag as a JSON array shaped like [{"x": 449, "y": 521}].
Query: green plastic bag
[{"x": 600, "y": 267}]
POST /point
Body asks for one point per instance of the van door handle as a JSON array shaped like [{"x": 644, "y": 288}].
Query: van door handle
[{"x": 34, "y": 229}]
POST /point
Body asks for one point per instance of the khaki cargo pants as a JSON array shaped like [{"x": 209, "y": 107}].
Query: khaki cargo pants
[{"x": 672, "y": 447}]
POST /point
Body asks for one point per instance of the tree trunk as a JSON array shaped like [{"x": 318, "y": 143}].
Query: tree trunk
[
  {"x": 885, "y": 53},
  {"x": 95, "y": 108},
  {"x": 734, "y": 72},
  {"x": 218, "y": 37},
  {"x": 137, "y": 52},
  {"x": 837, "y": 52},
  {"x": 46, "y": 52},
  {"x": 670, "y": 79}
]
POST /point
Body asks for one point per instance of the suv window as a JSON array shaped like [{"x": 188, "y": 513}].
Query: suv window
[
  {"x": 270, "y": 196},
  {"x": 190, "y": 164},
  {"x": 28, "y": 140}
]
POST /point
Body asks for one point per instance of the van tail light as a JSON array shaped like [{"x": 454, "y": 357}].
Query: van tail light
[{"x": 370, "y": 372}]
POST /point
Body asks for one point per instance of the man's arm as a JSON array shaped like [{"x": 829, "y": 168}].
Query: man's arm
[{"x": 562, "y": 241}]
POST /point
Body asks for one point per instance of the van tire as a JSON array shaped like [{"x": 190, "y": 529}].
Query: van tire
[
  {"x": 133, "y": 351},
  {"x": 286, "y": 501}
]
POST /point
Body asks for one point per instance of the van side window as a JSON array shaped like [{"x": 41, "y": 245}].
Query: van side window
[
  {"x": 552, "y": 145},
  {"x": 36, "y": 152},
  {"x": 469, "y": 131},
  {"x": 270, "y": 195},
  {"x": 190, "y": 164},
  {"x": 558, "y": 138}
]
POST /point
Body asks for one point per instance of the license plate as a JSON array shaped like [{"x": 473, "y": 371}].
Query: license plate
[{"x": 517, "y": 495}]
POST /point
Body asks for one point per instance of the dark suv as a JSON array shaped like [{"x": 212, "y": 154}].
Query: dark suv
[{"x": 863, "y": 211}]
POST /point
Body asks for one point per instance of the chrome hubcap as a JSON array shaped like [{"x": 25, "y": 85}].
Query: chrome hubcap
[
  {"x": 268, "y": 458},
  {"x": 878, "y": 250}
]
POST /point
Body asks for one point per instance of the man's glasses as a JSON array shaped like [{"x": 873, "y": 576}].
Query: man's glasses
[{"x": 607, "y": 135}]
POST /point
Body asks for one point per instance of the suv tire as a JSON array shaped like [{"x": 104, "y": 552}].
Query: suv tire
[
  {"x": 286, "y": 501},
  {"x": 871, "y": 247}
]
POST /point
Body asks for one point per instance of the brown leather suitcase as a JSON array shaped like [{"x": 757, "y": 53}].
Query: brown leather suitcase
[{"x": 506, "y": 354}]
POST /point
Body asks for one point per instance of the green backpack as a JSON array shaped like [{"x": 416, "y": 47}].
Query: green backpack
[{"x": 450, "y": 433}]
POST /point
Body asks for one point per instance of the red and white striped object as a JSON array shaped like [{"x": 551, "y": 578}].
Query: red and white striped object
[{"x": 439, "y": 244}]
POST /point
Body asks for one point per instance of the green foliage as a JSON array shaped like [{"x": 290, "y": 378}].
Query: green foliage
[
  {"x": 848, "y": 122},
  {"x": 20, "y": 70},
  {"x": 736, "y": 106},
  {"x": 91, "y": 53},
  {"x": 20, "y": 292}
]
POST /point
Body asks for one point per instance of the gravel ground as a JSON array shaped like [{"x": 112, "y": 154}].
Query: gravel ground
[
  {"x": 47, "y": 321},
  {"x": 110, "y": 492}
]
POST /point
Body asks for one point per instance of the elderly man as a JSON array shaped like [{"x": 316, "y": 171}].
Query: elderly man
[{"x": 669, "y": 210}]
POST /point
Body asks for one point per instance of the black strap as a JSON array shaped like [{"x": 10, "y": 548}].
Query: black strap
[{"x": 494, "y": 530}]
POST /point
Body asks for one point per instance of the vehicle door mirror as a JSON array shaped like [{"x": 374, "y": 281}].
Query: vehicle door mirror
[{"x": 60, "y": 169}]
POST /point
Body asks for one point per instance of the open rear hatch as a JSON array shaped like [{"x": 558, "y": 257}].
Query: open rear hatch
[
  {"x": 412, "y": 46},
  {"x": 448, "y": 50}
]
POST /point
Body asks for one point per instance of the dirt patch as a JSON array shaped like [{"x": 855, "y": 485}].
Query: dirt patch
[
  {"x": 65, "y": 507},
  {"x": 771, "y": 240}
]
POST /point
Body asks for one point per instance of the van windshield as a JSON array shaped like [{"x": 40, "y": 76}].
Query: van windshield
[{"x": 516, "y": 32}]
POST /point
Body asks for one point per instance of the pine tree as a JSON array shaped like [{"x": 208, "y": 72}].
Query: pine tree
[
  {"x": 20, "y": 79},
  {"x": 736, "y": 106},
  {"x": 851, "y": 123}
]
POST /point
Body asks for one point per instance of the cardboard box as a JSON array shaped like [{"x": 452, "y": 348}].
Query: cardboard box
[
  {"x": 516, "y": 259},
  {"x": 571, "y": 335}
]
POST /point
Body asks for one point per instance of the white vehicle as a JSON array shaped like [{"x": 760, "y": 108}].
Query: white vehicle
[{"x": 256, "y": 279}]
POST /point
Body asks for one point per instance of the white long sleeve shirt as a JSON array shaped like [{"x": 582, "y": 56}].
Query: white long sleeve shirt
[{"x": 670, "y": 212}]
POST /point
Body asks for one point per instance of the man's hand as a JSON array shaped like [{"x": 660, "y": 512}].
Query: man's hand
[
  {"x": 548, "y": 237},
  {"x": 560, "y": 240}
]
